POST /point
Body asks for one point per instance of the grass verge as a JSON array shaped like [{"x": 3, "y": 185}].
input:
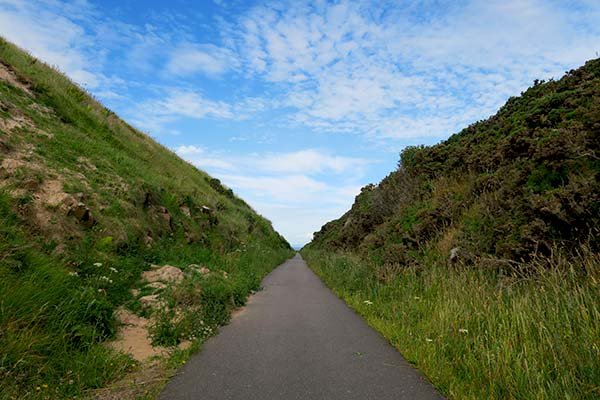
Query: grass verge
[{"x": 476, "y": 335}]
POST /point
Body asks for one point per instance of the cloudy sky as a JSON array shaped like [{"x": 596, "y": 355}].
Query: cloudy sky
[{"x": 297, "y": 105}]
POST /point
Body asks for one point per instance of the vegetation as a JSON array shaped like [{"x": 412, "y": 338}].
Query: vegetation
[
  {"x": 87, "y": 203},
  {"x": 480, "y": 254}
]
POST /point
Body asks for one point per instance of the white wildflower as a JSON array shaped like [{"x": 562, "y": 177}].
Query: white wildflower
[
  {"x": 463, "y": 330},
  {"x": 97, "y": 264},
  {"x": 114, "y": 270},
  {"x": 74, "y": 273},
  {"x": 368, "y": 302},
  {"x": 428, "y": 340}
]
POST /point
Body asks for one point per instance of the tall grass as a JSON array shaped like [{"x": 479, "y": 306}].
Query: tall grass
[
  {"x": 476, "y": 335},
  {"x": 53, "y": 323}
]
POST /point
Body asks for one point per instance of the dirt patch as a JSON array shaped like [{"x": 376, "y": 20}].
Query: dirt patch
[
  {"x": 133, "y": 337},
  {"x": 7, "y": 75},
  {"x": 16, "y": 121},
  {"x": 86, "y": 164},
  {"x": 41, "y": 109},
  {"x": 10, "y": 164},
  {"x": 51, "y": 193}
]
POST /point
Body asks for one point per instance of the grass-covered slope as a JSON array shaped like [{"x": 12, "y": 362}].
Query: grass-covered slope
[
  {"x": 86, "y": 204},
  {"x": 480, "y": 254}
]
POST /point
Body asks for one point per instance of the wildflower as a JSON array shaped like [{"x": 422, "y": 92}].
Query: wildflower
[
  {"x": 114, "y": 270},
  {"x": 417, "y": 298},
  {"x": 97, "y": 264},
  {"x": 463, "y": 330},
  {"x": 368, "y": 302},
  {"x": 38, "y": 388},
  {"x": 73, "y": 273},
  {"x": 428, "y": 340},
  {"x": 45, "y": 386}
]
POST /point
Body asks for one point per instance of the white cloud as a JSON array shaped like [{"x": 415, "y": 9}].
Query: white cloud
[
  {"x": 408, "y": 72},
  {"x": 309, "y": 161},
  {"x": 189, "y": 58},
  {"x": 155, "y": 115},
  {"x": 199, "y": 157},
  {"x": 52, "y": 37}
]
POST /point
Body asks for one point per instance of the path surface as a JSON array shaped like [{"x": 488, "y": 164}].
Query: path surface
[{"x": 296, "y": 340}]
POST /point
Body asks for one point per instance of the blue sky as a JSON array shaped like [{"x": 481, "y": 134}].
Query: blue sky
[{"x": 297, "y": 105}]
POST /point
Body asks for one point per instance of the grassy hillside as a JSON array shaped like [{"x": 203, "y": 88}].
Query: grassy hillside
[
  {"x": 478, "y": 257},
  {"x": 86, "y": 204}
]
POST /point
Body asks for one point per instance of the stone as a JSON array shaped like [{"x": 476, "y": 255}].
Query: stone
[
  {"x": 157, "y": 285},
  {"x": 166, "y": 273},
  {"x": 151, "y": 301},
  {"x": 185, "y": 211},
  {"x": 199, "y": 268},
  {"x": 82, "y": 213},
  {"x": 454, "y": 254}
]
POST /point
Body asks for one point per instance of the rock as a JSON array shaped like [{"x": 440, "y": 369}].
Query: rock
[
  {"x": 185, "y": 211},
  {"x": 204, "y": 271},
  {"x": 82, "y": 213},
  {"x": 151, "y": 301},
  {"x": 134, "y": 292},
  {"x": 148, "y": 241},
  {"x": 199, "y": 268},
  {"x": 454, "y": 254},
  {"x": 206, "y": 210},
  {"x": 458, "y": 254},
  {"x": 166, "y": 273},
  {"x": 156, "y": 285},
  {"x": 165, "y": 218}
]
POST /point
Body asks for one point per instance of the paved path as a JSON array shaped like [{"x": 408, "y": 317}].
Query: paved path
[{"x": 296, "y": 340}]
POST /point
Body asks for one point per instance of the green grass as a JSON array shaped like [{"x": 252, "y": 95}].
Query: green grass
[
  {"x": 479, "y": 336},
  {"x": 61, "y": 279}
]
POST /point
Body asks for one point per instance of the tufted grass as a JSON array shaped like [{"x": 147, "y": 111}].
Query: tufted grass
[{"x": 476, "y": 335}]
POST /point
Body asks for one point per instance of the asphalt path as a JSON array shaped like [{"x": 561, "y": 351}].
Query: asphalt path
[{"x": 296, "y": 340}]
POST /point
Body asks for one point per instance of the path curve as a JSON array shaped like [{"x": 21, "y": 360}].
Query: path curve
[{"x": 296, "y": 340}]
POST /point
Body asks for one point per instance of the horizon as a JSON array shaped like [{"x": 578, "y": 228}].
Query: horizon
[{"x": 298, "y": 106}]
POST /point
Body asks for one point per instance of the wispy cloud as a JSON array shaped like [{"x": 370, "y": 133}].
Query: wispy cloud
[
  {"x": 155, "y": 115},
  {"x": 51, "y": 36},
  {"x": 400, "y": 71},
  {"x": 188, "y": 59}
]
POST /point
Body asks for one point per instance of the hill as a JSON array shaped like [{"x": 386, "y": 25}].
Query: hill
[
  {"x": 494, "y": 232},
  {"x": 87, "y": 203}
]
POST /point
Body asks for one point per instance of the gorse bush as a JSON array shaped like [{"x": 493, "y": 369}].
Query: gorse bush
[{"x": 508, "y": 187}]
